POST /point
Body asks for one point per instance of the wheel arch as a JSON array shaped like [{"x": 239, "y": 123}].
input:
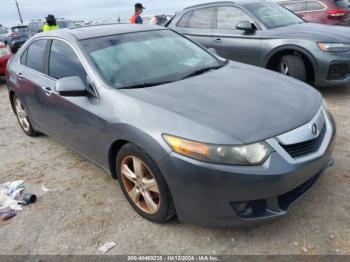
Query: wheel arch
[
  {"x": 149, "y": 144},
  {"x": 112, "y": 155},
  {"x": 11, "y": 94},
  {"x": 271, "y": 60}
]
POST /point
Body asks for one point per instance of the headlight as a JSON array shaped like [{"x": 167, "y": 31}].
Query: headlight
[
  {"x": 334, "y": 47},
  {"x": 245, "y": 155}
]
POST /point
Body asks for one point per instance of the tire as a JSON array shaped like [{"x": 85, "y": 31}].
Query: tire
[
  {"x": 162, "y": 209},
  {"x": 22, "y": 117},
  {"x": 293, "y": 65}
]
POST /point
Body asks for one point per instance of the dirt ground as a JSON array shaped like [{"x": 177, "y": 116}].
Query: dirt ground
[{"x": 85, "y": 208}]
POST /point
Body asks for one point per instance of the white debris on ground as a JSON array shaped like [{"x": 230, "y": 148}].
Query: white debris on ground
[
  {"x": 106, "y": 247},
  {"x": 9, "y": 192},
  {"x": 44, "y": 188}
]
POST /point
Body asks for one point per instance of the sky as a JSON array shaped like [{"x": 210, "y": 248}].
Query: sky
[{"x": 84, "y": 9}]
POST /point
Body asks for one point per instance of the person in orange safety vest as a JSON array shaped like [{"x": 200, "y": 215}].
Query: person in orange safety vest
[{"x": 136, "y": 19}]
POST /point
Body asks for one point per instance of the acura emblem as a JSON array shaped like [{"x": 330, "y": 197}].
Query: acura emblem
[{"x": 314, "y": 129}]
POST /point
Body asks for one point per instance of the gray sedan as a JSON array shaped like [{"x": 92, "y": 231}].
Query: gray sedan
[
  {"x": 184, "y": 131},
  {"x": 268, "y": 35}
]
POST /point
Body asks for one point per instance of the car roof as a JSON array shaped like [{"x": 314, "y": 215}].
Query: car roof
[
  {"x": 238, "y": 2},
  {"x": 44, "y": 21},
  {"x": 94, "y": 31}
]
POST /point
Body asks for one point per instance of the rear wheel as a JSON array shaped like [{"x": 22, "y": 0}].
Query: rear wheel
[
  {"x": 23, "y": 118},
  {"x": 294, "y": 66},
  {"x": 143, "y": 185}
]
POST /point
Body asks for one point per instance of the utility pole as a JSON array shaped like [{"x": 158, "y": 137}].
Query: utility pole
[{"x": 19, "y": 13}]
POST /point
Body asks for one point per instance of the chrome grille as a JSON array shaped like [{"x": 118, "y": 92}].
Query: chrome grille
[{"x": 307, "y": 147}]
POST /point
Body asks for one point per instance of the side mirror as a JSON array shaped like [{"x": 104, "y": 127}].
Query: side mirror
[
  {"x": 71, "y": 86},
  {"x": 245, "y": 26}
]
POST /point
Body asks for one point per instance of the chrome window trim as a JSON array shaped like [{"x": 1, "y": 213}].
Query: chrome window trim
[
  {"x": 86, "y": 67},
  {"x": 306, "y": 2},
  {"x": 275, "y": 142}
]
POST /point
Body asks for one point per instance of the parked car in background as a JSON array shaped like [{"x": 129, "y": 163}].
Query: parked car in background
[
  {"x": 267, "y": 35},
  {"x": 219, "y": 143},
  {"x": 36, "y": 27},
  {"x": 5, "y": 54},
  {"x": 15, "y": 37},
  {"x": 160, "y": 20},
  {"x": 319, "y": 11},
  {"x": 345, "y": 4}
]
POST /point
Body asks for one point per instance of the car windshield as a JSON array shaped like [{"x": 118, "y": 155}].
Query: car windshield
[
  {"x": 149, "y": 58},
  {"x": 273, "y": 15},
  {"x": 21, "y": 29},
  {"x": 65, "y": 24}
]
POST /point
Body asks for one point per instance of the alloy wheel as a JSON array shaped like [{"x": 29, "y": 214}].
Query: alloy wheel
[
  {"x": 140, "y": 184},
  {"x": 22, "y": 115},
  {"x": 284, "y": 68}
]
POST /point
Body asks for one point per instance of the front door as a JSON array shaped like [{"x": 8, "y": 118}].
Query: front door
[
  {"x": 232, "y": 43},
  {"x": 73, "y": 120}
]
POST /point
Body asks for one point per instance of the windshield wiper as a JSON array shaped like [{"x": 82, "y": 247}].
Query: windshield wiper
[
  {"x": 202, "y": 71},
  {"x": 143, "y": 85}
]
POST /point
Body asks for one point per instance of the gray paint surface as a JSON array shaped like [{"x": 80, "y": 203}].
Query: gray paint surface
[{"x": 233, "y": 105}]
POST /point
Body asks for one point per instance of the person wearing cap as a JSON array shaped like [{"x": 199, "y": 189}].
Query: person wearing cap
[
  {"x": 136, "y": 19},
  {"x": 50, "y": 24}
]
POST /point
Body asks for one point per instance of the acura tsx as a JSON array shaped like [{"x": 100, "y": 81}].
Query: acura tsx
[{"x": 218, "y": 143}]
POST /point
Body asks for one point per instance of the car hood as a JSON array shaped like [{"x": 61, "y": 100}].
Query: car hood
[
  {"x": 310, "y": 31},
  {"x": 245, "y": 102}
]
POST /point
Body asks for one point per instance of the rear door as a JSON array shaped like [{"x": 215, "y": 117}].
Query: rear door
[
  {"x": 198, "y": 25},
  {"x": 30, "y": 79},
  {"x": 232, "y": 43}
]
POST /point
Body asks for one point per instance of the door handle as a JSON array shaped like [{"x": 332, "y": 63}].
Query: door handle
[
  {"x": 218, "y": 40},
  {"x": 48, "y": 91}
]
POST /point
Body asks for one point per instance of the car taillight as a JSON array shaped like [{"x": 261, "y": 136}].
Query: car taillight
[
  {"x": 14, "y": 35},
  {"x": 336, "y": 13}
]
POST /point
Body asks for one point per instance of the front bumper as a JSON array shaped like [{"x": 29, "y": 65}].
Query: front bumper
[
  {"x": 330, "y": 62},
  {"x": 207, "y": 194}
]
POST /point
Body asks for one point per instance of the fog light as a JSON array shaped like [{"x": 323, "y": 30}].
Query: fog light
[
  {"x": 241, "y": 207},
  {"x": 337, "y": 71}
]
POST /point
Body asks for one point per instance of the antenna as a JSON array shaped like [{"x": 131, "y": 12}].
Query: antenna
[{"x": 19, "y": 13}]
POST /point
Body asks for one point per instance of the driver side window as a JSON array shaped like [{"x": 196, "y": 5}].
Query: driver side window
[
  {"x": 229, "y": 16},
  {"x": 64, "y": 62}
]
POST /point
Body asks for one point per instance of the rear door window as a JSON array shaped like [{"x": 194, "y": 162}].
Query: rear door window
[
  {"x": 296, "y": 7},
  {"x": 314, "y": 6},
  {"x": 229, "y": 16},
  {"x": 64, "y": 62},
  {"x": 201, "y": 18},
  {"x": 35, "y": 55}
]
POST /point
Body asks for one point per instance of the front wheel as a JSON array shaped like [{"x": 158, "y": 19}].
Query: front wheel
[
  {"x": 294, "y": 66},
  {"x": 143, "y": 185}
]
